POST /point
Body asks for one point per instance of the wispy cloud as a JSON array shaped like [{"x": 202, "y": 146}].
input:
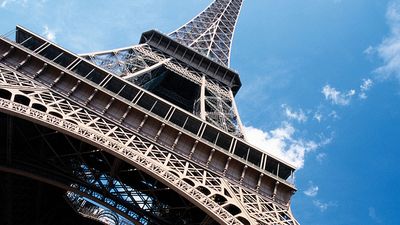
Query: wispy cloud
[
  {"x": 299, "y": 115},
  {"x": 23, "y": 3},
  {"x": 322, "y": 206},
  {"x": 318, "y": 116},
  {"x": 3, "y": 3},
  {"x": 344, "y": 98},
  {"x": 283, "y": 143},
  {"x": 336, "y": 97},
  {"x": 364, "y": 87},
  {"x": 389, "y": 49},
  {"x": 312, "y": 190},
  {"x": 48, "y": 33},
  {"x": 369, "y": 50},
  {"x": 321, "y": 157},
  {"x": 333, "y": 114}
]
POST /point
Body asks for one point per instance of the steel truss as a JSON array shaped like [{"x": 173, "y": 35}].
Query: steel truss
[
  {"x": 211, "y": 32},
  {"x": 137, "y": 63},
  {"x": 224, "y": 200}
]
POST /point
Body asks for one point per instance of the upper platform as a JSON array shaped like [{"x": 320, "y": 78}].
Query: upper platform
[{"x": 193, "y": 58}]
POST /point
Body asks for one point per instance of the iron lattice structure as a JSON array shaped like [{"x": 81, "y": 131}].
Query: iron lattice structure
[
  {"x": 211, "y": 32},
  {"x": 147, "y": 134}
]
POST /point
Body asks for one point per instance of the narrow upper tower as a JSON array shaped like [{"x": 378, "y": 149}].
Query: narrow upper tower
[
  {"x": 189, "y": 67},
  {"x": 211, "y": 32}
]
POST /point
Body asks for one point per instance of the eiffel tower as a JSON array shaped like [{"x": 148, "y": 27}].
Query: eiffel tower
[{"x": 147, "y": 134}]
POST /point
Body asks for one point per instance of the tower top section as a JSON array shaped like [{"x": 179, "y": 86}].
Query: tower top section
[{"x": 211, "y": 32}]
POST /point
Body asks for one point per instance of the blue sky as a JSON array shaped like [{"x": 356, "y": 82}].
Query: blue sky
[{"x": 321, "y": 86}]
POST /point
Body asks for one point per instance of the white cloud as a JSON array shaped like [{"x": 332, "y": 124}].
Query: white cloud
[
  {"x": 369, "y": 51},
  {"x": 336, "y": 97},
  {"x": 321, "y": 157},
  {"x": 282, "y": 143},
  {"x": 363, "y": 95},
  {"x": 323, "y": 206},
  {"x": 364, "y": 87},
  {"x": 334, "y": 115},
  {"x": 299, "y": 116},
  {"x": 344, "y": 98},
  {"x": 4, "y": 3},
  {"x": 318, "y": 116},
  {"x": 389, "y": 49},
  {"x": 49, "y": 34},
  {"x": 312, "y": 190},
  {"x": 23, "y": 3}
]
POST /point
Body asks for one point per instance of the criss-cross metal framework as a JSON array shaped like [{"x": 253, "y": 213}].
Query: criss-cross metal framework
[
  {"x": 215, "y": 103},
  {"x": 211, "y": 32},
  {"x": 147, "y": 134}
]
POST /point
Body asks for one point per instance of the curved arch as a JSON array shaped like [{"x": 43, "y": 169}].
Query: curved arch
[
  {"x": 109, "y": 215},
  {"x": 136, "y": 159},
  {"x": 61, "y": 185}
]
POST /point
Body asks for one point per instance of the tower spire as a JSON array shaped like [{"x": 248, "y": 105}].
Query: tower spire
[{"x": 211, "y": 32}]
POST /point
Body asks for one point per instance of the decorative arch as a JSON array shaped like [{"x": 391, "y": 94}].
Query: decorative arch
[{"x": 20, "y": 108}]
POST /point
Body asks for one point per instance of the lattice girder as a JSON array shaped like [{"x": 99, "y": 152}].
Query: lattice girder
[
  {"x": 184, "y": 174},
  {"x": 211, "y": 32},
  {"x": 113, "y": 135},
  {"x": 120, "y": 63},
  {"x": 133, "y": 150}
]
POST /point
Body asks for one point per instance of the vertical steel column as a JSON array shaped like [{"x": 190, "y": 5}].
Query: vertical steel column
[
  {"x": 235, "y": 110},
  {"x": 203, "y": 98}
]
